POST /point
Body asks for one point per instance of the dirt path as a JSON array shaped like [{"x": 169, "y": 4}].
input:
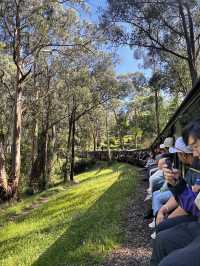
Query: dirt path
[{"x": 136, "y": 249}]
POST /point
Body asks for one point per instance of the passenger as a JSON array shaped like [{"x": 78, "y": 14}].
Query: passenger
[
  {"x": 180, "y": 245},
  {"x": 174, "y": 213},
  {"x": 150, "y": 160},
  {"x": 150, "y": 165},
  {"x": 157, "y": 177}
]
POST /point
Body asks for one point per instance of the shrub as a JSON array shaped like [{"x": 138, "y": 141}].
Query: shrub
[{"x": 83, "y": 165}]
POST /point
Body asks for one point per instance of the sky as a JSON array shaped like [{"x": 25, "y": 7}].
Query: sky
[{"x": 127, "y": 62}]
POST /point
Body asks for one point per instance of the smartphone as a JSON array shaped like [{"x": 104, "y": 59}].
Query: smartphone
[{"x": 168, "y": 162}]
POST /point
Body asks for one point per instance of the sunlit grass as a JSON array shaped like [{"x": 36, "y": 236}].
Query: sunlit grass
[{"x": 78, "y": 225}]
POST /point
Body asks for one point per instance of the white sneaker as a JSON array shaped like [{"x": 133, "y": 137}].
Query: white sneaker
[
  {"x": 148, "y": 197},
  {"x": 153, "y": 224},
  {"x": 153, "y": 236}
]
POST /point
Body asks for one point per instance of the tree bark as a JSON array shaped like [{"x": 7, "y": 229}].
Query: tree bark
[
  {"x": 73, "y": 147},
  {"x": 16, "y": 146},
  {"x": 67, "y": 156},
  {"x": 37, "y": 168},
  {"x": 39, "y": 178},
  {"x": 107, "y": 137},
  {"x": 46, "y": 139},
  {"x": 34, "y": 141},
  {"x": 189, "y": 38},
  {"x": 35, "y": 119},
  {"x": 5, "y": 189},
  {"x": 157, "y": 112},
  {"x": 94, "y": 134}
]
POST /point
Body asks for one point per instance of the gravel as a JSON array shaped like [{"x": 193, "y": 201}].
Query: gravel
[{"x": 137, "y": 247}]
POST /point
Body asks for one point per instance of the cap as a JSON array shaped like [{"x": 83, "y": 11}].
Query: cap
[
  {"x": 168, "y": 142},
  {"x": 162, "y": 146},
  {"x": 180, "y": 147}
]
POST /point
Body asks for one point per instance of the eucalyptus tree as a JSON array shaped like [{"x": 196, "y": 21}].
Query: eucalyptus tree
[
  {"x": 175, "y": 76},
  {"x": 96, "y": 123},
  {"x": 26, "y": 28},
  {"x": 7, "y": 68},
  {"x": 89, "y": 88},
  {"x": 170, "y": 26}
]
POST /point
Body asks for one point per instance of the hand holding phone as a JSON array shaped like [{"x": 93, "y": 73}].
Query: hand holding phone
[
  {"x": 171, "y": 174},
  {"x": 168, "y": 162}
]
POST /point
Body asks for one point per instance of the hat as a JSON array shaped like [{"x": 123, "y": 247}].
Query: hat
[
  {"x": 180, "y": 147},
  {"x": 162, "y": 146},
  {"x": 168, "y": 142}
]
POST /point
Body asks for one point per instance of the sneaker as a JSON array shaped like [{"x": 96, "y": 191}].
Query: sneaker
[
  {"x": 148, "y": 215},
  {"x": 148, "y": 197},
  {"x": 153, "y": 224},
  {"x": 153, "y": 236}
]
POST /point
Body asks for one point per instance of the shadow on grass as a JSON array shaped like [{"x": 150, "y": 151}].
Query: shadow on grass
[{"x": 93, "y": 233}]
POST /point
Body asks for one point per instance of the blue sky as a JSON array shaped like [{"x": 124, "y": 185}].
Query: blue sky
[{"x": 127, "y": 62}]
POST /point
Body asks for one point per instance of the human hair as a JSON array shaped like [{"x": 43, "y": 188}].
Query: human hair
[{"x": 192, "y": 129}]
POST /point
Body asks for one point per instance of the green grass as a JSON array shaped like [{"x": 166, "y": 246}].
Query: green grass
[{"x": 78, "y": 225}]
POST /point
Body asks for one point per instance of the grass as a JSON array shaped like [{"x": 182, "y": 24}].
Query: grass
[{"x": 79, "y": 225}]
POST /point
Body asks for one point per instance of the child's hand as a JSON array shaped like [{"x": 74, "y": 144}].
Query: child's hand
[{"x": 196, "y": 188}]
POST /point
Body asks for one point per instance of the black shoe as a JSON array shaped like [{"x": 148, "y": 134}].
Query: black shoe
[{"x": 148, "y": 215}]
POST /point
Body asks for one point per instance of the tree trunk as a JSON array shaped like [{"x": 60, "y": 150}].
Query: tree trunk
[
  {"x": 51, "y": 153},
  {"x": 73, "y": 148},
  {"x": 46, "y": 139},
  {"x": 94, "y": 140},
  {"x": 119, "y": 130},
  {"x": 16, "y": 146},
  {"x": 36, "y": 183},
  {"x": 45, "y": 180},
  {"x": 16, "y": 156},
  {"x": 107, "y": 137},
  {"x": 35, "y": 119},
  {"x": 34, "y": 141},
  {"x": 67, "y": 156},
  {"x": 189, "y": 38},
  {"x": 39, "y": 178},
  {"x": 157, "y": 112},
  {"x": 5, "y": 189}
]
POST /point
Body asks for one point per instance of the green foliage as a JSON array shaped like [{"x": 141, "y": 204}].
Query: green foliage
[
  {"x": 156, "y": 27},
  {"x": 112, "y": 141}
]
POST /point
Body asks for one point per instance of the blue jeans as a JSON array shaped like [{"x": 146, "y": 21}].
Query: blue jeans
[{"x": 159, "y": 199}]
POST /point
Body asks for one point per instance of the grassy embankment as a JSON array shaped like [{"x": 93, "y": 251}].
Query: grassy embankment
[{"x": 72, "y": 226}]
